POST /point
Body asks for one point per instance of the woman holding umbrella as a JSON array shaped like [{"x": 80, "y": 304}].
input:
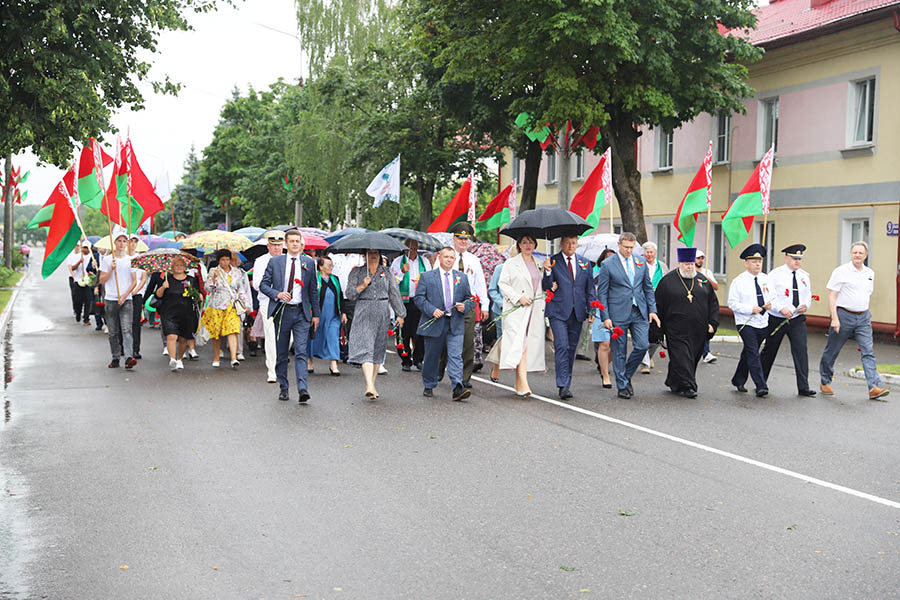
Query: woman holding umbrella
[
  {"x": 375, "y": 291},
  {"x": 178, "y": 310},
  {"x": 229, "y": 292}
]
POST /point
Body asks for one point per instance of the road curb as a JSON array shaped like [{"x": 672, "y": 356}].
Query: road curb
[
  {"x": 728, "y": 339},
  {"x": 7, "y": 310},
  {"x": 886, "y": 377}
]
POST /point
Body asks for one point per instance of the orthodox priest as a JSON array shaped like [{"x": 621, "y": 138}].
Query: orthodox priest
[{"x": 689, "y": 312}]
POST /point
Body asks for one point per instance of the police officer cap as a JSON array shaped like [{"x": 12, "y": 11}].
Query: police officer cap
[
  {"x": 754, "y": 251},
  {"x": 795, "y": 251},
  {"x": 463, "y": 230}
]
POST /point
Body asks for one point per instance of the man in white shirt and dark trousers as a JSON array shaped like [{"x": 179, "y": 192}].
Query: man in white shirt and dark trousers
[
  {"x": 708, "y": 357},
  {"x": 849, "y": 290},
  {"x": 275, "y": 247},
  {"x": 407, "y": 269},
  {"x": 118, "y": 279},
  {"x": 749, "y": 297},
  {"x": 82, "y": 296},
  {"x": 792, "y": 297}
]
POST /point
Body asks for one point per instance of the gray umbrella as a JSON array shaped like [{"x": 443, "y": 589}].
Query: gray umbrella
[
  {"x": 547, "y": 223},
  {"x": 426, "y": 242},
  {"x": 371, "y": 240}
]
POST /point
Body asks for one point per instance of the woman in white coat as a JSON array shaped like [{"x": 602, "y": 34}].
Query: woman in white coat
[{"x": 522, "y": 347}]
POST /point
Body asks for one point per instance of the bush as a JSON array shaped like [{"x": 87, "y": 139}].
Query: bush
[{"x": 6, "y": 276}]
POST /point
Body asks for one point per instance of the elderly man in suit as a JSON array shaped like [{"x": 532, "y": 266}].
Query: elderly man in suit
[
  {"x": 443, "y": 298},
  {"x": 569, "y": 277},
  {"x": 290, "y": 283},
  {"x": 625, "y": 290}
]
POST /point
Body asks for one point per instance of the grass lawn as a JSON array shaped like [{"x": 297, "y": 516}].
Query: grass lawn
[
  {"x": 5, "y": 294},
  {"x": 891, "y": 369},
  {"x": 723, "y": 331}
]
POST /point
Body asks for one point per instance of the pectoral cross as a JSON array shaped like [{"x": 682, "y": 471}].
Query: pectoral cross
[{"x": 690, "y": 297}]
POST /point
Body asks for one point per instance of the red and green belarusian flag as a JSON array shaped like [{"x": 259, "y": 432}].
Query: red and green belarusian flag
[
  {"x": 457, "y": 210},
  {"x": 45, "y": 213},
  {"x": 753, "y": 200},
  {"x": 90, "y": 176},
  {"x": 696, "y": 200},
  {"x": 501, "y": 210},
  {"x": 595, "y": 193},
  {"x": 64, "y": 230},
  {"x": 130, "y": 198}
]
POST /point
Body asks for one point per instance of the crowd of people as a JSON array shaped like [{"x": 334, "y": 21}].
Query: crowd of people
[{"x": 440, "y": 309}]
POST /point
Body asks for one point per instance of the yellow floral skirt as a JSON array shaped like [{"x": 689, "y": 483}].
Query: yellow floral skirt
[{"x": 220, "y": 322}]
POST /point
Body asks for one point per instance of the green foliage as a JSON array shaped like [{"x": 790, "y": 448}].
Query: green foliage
[
  {"x": 8, "y": 276},
  {"x": 66, "y": 66},
  {"x": 193, "y": 212}
]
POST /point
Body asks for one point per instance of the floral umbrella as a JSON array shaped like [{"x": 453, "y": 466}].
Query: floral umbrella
[
  {"x": 490, "y": 257},
  {"x": 216, "y": 239},
  {"x": 160, "y": 260}
]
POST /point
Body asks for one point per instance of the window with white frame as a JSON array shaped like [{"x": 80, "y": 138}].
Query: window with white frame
[
  {"x": 853, "y": 229},
  {"x": 664, "y": 148},
  {"x": 863, "y": 106},
  {"x": 768, "y": 125},
  {"x": 723, "y": 137},
  {"x": 661, "y": 233},
  {"x": 579, "y": 164},
  {"x": 719, "y": 252},
  {"x": 516, "y": 168},
  {"x": 551, "y": 167}
]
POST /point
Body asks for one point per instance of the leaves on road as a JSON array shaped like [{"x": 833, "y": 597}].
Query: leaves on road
[
  {"x": 568, "y": 569},
  {"x": 626, "y": 513}
]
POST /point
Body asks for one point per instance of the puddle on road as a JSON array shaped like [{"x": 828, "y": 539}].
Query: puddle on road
[
  {"x": 16, "y": 537},
  {"x": 7, "y": 371}
]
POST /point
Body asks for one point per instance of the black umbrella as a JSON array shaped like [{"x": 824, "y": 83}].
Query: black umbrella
[
  {"x": 360, "y": 242},
  {"x": 426, "y": 242},
  {"x": 547, "y": 223}
]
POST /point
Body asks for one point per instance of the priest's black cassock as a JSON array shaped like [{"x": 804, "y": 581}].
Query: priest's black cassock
[{"x": 686, "y": 306}]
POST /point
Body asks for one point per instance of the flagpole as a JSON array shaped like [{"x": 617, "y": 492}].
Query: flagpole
[
  {"x": 708, "y": 232},
  {"x": 98, "y": 167}
]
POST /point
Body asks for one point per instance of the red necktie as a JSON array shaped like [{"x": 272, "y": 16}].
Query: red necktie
[
  {"x": 290, "y": 289},
  {"x": 571, "y": 268}
]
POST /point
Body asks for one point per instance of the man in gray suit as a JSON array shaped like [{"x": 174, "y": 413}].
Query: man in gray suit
[{"x": 624, "y": 289}]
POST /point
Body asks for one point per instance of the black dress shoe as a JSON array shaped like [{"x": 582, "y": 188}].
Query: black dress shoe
[
  {"x": 253, "y": 352},
  {"x": 461, "y": 392},
  {"x": 304, "y": 397},
  {"x": 565, "y": 394},
  {"x": 467, "y": 385},
  {"x": 428, "y": 392},
  {"x": 741, "y": 389},
  {"x": 137, "y": 355},
  {"x": 624, "y": 394},
  {"x": 762, "y": 393},
  {"x": 477, "y": 367},
  {"x": 630, "y": 389},
  {"x": 283, "y": 395},
  {"x": 689, "y": 393},
  {"x": 809, "y": 393},
  {"x": 406, "y": 368}
]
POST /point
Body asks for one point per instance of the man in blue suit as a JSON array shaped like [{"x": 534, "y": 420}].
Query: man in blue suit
[
  {"x": 568, "y": 276},
  {"x": 443, "y": 298},
  {"x": 624, "y": 289},
  {"x": 290, "y": 282}
]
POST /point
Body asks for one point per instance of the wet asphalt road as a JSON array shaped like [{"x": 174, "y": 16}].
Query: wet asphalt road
[{"x": 205, "y": 486}]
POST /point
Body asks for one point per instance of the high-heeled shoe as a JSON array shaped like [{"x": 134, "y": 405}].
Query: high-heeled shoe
[
  {"x": 607, "y": 386},
  {"x": 495, "y": 379},
  {"x": 334, "y": 373},
  {"x": 524, "y": 394}
]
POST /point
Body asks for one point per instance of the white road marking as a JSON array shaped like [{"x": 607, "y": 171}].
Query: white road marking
[{"x": 705, "y": 448}]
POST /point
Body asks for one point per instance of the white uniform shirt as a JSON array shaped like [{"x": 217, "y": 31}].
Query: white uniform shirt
[
  {"x": 259, "y": 269},
  {"x": 854, "y": 287},
  {"x": 414, "y": 273},
  {"x": 781, "y": 279},
  {"x": 138, "y": 273},
  {"x": 123, "y": 274},
  {"x": 80, "y": 262},
  {"x": 742, "y": 299},
  {"x": 475, "y": 274}
]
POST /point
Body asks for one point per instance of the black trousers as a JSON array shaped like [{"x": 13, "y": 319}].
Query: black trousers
[
  {"x": 413, "y": 343},
  {"x": 750, "y": 361},
  {"x": 82, "y": 302},
  {"x": 138, "y": 312},
  {"x": 795, "y": 329}
]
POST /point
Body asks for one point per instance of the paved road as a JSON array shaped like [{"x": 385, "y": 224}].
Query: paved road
[{"x": 206, "y": 486}]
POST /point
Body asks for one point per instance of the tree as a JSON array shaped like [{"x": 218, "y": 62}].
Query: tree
[
  {"x": 192, "y": 210},
  {"x": 615, "y": 64},
  {"x": 66, "y": 66}
]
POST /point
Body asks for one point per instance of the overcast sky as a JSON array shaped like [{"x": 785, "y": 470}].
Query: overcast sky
[{"x": 232, "y": 46}]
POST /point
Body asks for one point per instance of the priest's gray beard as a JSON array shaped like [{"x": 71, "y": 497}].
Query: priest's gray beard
[{"x": 685, "y": 274}]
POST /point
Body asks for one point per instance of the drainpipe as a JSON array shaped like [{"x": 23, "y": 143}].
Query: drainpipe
[{"x": 897, "y": 317}]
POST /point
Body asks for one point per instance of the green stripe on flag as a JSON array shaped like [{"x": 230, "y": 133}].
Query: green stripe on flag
[
  {"x": 594, "y": 217},
  {"x": 61, "y": 251},
  {"x": 734, "y": 226},
  {"x": 89, "y": 191},
  {"x": 694, "y": 203},
  {"x": 494, "y": 222},
  {"x": 42, "y": 216}
]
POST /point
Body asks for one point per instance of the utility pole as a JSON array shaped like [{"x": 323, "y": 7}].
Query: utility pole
[
  {"x": 298, "y": 213},
  {"x": 8, "y": 228}
]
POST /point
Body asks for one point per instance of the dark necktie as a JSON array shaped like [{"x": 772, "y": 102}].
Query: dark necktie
[
  {"x": 290, "y": 289},
  {"x": 461, "y": 268},
  {"x": 796, "y": 296},
  {"x": 571, "y": 268},
  {"x": 760, "y": 301}
]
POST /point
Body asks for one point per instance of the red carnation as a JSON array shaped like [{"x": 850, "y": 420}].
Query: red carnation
[
  {"x": 404, "y": 354},
  {"x": 400, "y": 347},
  {"x": 549, "y": 296},
  {"x": 787, "y": 292},
  {"x": 390, "y": 333},
  {"x": 816, "y": 298},
  {"x": 297, "y": 280},
  {"x": 662, "y": 354},
  {"x": 617, "y": 333},
  {"x": 597, "y": 304}
]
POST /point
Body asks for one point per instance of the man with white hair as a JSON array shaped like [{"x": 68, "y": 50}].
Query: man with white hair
[
  {"x": 849, "y": 290},
  {"x": 708, "y": 357},
  {"x": 657, "y": 269},
  {"x": 689, "y": 311}
]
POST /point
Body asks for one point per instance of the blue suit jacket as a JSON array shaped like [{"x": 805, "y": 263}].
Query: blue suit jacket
[
  {"x": 272, "y": 283},
  {"x": 616, "y": 292},
  {"x": 430, "y": 295},
  {"x": 570, "y": 294}
]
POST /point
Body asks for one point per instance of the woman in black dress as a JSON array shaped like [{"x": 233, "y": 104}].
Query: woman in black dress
[{"x": 178, "y": 310}]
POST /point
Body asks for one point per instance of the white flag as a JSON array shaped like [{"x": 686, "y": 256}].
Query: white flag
[{"x": 386, "y": 185}]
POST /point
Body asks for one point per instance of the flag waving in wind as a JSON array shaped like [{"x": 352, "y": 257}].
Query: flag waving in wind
[
  {"x": 753, "y": 200},
  {"x": 386, "y": 185},
  {"x": 696, "y": 199},
  {"x": 595, "y": 193}
]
